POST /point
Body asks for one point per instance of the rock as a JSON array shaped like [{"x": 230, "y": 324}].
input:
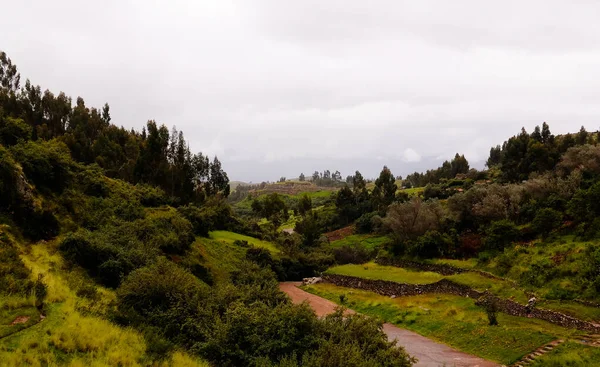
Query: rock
[
  {"x": 393, "y": 296},
  {"x": 310, "y": 281}
]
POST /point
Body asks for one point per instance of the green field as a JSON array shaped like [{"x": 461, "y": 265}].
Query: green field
[
  {"x": 367, "y": 241},
  {"x": 231, "y": 237},
  {"x": 499, "y": 287},
  {"x": 453, "y": 320},
  {"x": 380, "y": 272}
]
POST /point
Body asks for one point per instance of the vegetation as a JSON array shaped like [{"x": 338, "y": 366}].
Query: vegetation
[
  {"x": 119, "y": 247},
  {"x": 452, "y": 320},
  {"x": 133, "y": 250}
]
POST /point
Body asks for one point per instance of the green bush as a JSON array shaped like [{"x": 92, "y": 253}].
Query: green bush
[
  {"x": 13, "y": 131},
  {"x": 14, "y": 276},
  {"x": 364, "y": 224},
  {"x": 500, "y": 234},
  {"x": 432, "y": 244},
  {"x": 546, "y": 220},
  {"x": 198, "y": 218},
  {"x": 47, "y": 164}
]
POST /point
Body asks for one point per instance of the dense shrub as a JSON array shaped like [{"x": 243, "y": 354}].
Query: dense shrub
[
  {"x": 13, "y": 131},
  {"x": 500, "y": 234},
  {"x": 352, "y": 255},
  {"x": 432, "y": 244},
  {"x": 14, "y": 276},
  {"x": 546, "y": 221},
  {"x": 198, "y": 218},
  {"x": 365, "y": 223},
  {"x": 46, "y": 164}
]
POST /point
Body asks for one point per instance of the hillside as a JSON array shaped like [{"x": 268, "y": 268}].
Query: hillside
[{"x": 119, "y": 248}]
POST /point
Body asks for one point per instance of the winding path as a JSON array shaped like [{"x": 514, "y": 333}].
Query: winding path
[{"x": 429, "y": 353}]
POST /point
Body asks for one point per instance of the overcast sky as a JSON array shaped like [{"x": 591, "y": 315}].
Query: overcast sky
[{"x": 276, "y": 87}]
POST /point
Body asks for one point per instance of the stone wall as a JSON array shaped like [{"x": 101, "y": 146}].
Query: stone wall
[{"x": 387, "y": 288}]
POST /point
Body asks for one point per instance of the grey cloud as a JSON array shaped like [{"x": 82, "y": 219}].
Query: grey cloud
[{"x": 277, "y": 87}]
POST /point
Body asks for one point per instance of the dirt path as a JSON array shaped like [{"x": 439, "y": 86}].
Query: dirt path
[{"x": 429, "y": 353}]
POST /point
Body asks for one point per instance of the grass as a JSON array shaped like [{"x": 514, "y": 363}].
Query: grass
[
  {"x": 368, "y": 241},
  {"x": 570, "y": 354},
  {"x": 498, "y": 287},
  {"x": 221, "y": 257},
  {"x": 452, "y": 320},
  {"x": 462, "y": 264},
  {"x": 413, "y": 191},
  {"x": 74, "y": 332},
  {"x": 231, "y": 237},
  {"x": 374, "y": 271},
  {"x": 390, "y": 273}
]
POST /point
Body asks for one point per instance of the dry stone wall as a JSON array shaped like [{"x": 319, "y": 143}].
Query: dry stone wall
[{"x": 445, "y": 286}]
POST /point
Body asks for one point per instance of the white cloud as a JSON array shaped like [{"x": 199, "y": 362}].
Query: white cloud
[{"x": 410, "y": 155}]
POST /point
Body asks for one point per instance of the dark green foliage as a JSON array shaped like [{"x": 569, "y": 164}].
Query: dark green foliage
[
  {"x": 448, "y": 170},
  {"x": 166, "y": 297},
  {"x": 352, "y": 255},
  {"x": 501, "y": 234},
  {"x": 384, "y": 192},
  {"x": 365, "y": 224},
  {"x": 432, "y": 244},
  {"x": 345, "y": 203},
  {"x": 198, "y": 218},
  {"x": 545, "y": 221},
  {"x": 38, "y": 224},
  {"x": 309, "y": 229},
  {"x": 356, "y": 341},
  {"x": 304, "y": 204},
  {"x": 48, "y": 165},
  {"x": 585, "y": 204},
  {"x": 14, "y": 276},
  {"x": 490, "y": 304},
  {"x": 13, "y": 131},
  {"x": 40, "y": 290},
  {"x": 114, "y": 251}
]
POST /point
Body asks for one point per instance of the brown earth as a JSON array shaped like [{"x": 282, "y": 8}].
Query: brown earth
[
  {"x": 20, "y": 320},
  {"x": 340, "y": 233},
  {"x": 428, "y": 352}
]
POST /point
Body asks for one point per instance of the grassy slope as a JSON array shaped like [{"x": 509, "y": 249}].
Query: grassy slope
[
  {"x": 230, "y": 237},
  {"x": 74, "y": 331},
  {"x": 221, "y": 256},
  {"x": 453, "y": 320},
  {"x": 368, "y": 241},
  {"x": 570, "y": 354},
  {"x": 501, "y": 288}
]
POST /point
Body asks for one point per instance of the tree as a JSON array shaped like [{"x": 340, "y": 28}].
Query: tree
[
  {"x": 304, "y": 204},
  {"x": 359, "y": 186},
  {"x": 545, "y": 221},
  {"x": 218, "y": 182},
  {"x": 386, "y": 185},
  {"x": 490, "y": 304},
  {"x": 547, "y": 137},
  {"x": 302, "y": 178},
  {"x": 458, "y": 165},
  {"x": 13, "y": 131},
  {"x": 9, "y": 76},
  {"x": 582, "y": 136},
  {"x": 500, "y": 234},
  {"x": 346, "y": 205},
  {"x": 309, "y": 229}
]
